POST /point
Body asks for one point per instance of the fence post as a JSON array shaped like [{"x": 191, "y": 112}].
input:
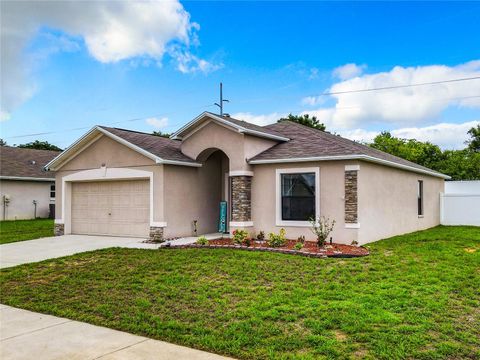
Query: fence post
[{"x": 442, "y": 204}]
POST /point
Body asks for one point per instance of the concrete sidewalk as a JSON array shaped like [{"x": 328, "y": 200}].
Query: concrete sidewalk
[{"x": 28, "y": 335}]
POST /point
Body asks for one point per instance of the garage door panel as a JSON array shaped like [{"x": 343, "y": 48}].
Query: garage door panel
[{"x": 118, "y": 208}]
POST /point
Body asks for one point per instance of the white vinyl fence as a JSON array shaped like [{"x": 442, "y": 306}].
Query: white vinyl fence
[{"x": 460, "y": 204}]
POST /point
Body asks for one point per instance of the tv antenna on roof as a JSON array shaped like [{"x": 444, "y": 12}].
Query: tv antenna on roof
[{"x": 220, "y": 105}]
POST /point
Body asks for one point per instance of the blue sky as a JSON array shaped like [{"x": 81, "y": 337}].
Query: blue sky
[{"x": 155, "y": 67}]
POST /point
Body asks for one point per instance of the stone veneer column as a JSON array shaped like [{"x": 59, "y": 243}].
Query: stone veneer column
[
  {"x": 351, "y": 196},
  {"x": 241, "y": 190},
  {"x": 156, "y": 234},
  {"x": 59, "y": 229}
]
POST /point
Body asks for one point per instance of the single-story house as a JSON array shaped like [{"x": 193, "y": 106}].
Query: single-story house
[
  {"x": 27, "y": 190},
  {"x": 121, "y": 182}
]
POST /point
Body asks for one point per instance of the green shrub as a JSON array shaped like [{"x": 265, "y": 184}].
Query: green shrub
[
  {"x": 261, "y": 236},
  {"x": 298, "y": 246},
  {"x": 239, "y": 236},
  {"x": 277, "y": 240},
  {"x": 202, "y": 240},
  {"x": 322, "y": 227}
]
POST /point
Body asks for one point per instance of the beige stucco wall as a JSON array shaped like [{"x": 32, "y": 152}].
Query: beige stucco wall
[
  {"x": 235, "y": 145},
  {"x": 112, "y": 154},
  {"x": 387, "y": 199},
  {"x": 22, "y": 194},
  {"x": 332, "y": 193},
  {"x": 193, "y": 194}
]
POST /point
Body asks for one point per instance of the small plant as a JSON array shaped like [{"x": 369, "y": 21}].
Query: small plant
[
  {"x": 247, "y": 241},
  {"x": 354, "y": 242},
  {"x": 301, "y": 239},
  {"x": 322, "y": 227},
  {"x": 277, "y": 240},
  {"x": 261, "y": 236},
  {"x": 202, "y": 240},
  {"x": 239, "y": 236},
  {"x": 298, "y": 246}
]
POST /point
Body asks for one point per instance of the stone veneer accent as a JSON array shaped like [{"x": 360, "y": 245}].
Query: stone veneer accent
[
  {"x": 59, "y": 229},
  {"x": 156, "y": 234},
  {"x": 351, "y": 197},
  {"x": 241, "y": 198}
]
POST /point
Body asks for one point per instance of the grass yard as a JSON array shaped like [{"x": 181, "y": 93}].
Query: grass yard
[
  {"x": 19, "y": 230},
  {"x": 416, "y": 296}
]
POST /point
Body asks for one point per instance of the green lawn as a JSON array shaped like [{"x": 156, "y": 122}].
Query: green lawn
[
  {"x": 415, "y": 297},
  {"x": 19, "y": 230}
]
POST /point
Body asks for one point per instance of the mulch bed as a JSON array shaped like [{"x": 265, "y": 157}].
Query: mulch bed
[{"x": 310, "y": 248}]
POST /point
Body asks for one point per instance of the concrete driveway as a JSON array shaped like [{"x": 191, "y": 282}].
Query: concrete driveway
[
  {"x": 29, "y": 335},
  {"x": 23, "y": 252}
]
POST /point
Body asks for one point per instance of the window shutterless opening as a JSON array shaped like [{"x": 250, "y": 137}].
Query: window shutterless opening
[
  {"x": 298, "y": 196},
  {"x": 420, "y": 198}
]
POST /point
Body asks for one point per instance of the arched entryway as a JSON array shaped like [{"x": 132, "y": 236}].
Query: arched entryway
[{"x": 215, "y": 168}]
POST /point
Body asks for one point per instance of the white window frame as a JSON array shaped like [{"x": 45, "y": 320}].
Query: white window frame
[
  {"x": 54, "y": 192},
  {"x": 278, "y": 195}
]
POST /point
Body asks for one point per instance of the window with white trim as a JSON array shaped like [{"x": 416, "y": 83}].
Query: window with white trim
[
  {"x": 52, "y": 191},
  {"x": 297, "y": 193},
  {"x": 298, "y": 196}
]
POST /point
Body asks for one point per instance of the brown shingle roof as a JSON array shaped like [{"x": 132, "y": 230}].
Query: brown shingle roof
[
  {"x": 20, "y": 162},
  {"x": 164, "y": 148},
  {"x": 306, "y": 142}
]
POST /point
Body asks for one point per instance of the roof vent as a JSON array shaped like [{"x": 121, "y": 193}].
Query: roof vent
[
  {"x": 226, "y": 115},
  {"x": 33, "y": 162}
]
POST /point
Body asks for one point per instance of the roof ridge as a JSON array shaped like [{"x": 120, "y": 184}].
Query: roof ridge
[{"x": 28, "y": 149}]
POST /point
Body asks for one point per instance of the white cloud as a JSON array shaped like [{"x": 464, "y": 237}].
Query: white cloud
[
  {"x": 445, "y": 135},
  {"x": 189, "y": 63},
  {"x": 4, "y": 116},
  {"x": 411, "y": 105},
  {"x": 157, "y": 123},
  {"x": 261, "y": 120},
  {"x": 313, "y": 100},
  {"x": 111, "y": 31},
  {"x": 348, "y": 71}
]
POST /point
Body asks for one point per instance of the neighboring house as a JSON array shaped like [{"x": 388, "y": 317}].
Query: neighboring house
[
  {"x": 120, "y": 182},
  {"x": 27, "y": 190}
]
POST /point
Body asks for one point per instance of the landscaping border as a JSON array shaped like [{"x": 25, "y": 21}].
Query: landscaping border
[{"x": 264, "y": 249}]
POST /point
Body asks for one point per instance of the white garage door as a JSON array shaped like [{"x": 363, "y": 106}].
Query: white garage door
[{"x": 117, "y": 208}]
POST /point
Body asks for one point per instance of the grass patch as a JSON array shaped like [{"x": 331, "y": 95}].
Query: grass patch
[
  {"x": 415, "y": 296},
  {"x": 19, "y": 230}
]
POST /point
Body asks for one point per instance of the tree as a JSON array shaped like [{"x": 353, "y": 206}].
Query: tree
[
  {"x": 159, "y": 133},
  {"x": 305, "y": 120},
  {"x": 40, "y": 145},
  {"x": 423, "y": 153},
  {"x": 3, "y": 142},
  {"x": 474, "y": 142},
  {"x": 459, "y": 164}
]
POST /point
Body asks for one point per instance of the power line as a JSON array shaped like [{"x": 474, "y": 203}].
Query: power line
[
  {"x": 111, "y": 123},
  {"x": 322, "y": 94},
  {"x": 399, "y": 86}
]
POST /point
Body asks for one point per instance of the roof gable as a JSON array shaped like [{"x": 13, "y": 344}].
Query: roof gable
[
  {"x": 230, "y": 123},
  {"x": 158, "y": 149}
]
